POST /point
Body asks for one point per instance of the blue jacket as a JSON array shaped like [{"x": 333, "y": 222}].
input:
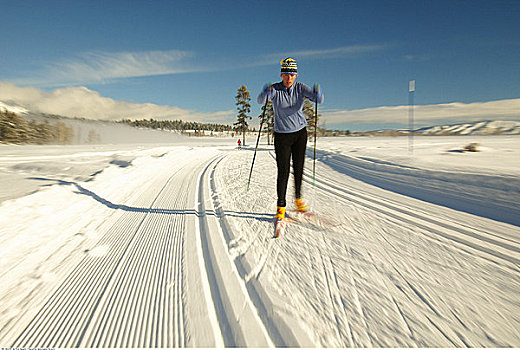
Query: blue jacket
[{"x": 288, "y": 105}]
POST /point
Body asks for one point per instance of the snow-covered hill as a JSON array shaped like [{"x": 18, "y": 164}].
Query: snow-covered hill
[
  {"x": 480, "y": 128},
  {"x": 476, "y": 128},
  {"x": 13, "y": 109},
  {"x": 97, "y": 131}
]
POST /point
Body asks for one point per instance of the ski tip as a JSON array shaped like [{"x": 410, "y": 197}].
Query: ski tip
[{"x": 279, "y": 226}]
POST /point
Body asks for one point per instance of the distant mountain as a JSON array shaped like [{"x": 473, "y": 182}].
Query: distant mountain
[
  {"x": 477, "y": 128},
  {"x": 486, "y": 127}
]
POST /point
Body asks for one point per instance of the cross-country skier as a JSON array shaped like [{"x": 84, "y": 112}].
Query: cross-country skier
[{"x": 290, "y": 132}]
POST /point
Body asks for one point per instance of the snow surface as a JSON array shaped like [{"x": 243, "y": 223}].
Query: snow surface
[
  {"x": 161, "y": 245},
  {"x": 12, "y": 109}
]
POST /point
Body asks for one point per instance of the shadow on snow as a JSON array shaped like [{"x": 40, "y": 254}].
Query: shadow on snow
[{"x": 83, "y": 191}]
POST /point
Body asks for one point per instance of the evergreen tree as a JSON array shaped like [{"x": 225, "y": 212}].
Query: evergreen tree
[
  {"x": 45, "y": 133},
  {"x": 13, "y": 128},
  {"x": 33, "y": 133},
  {"x": 243, "y": 107},
  {"x": 64, "y": 134},
  {"x": 308, "y": 110}
]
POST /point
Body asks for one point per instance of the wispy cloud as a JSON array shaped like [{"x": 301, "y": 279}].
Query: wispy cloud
[
  {"x": 428, "y": 114},
  {"x": 344, "y": 51},
  {"x": 85, "y": 103},
  {"x": 100, "y": 67},
  {"x": 417, "y": 58},
  {"x": 337, "y": 52}
]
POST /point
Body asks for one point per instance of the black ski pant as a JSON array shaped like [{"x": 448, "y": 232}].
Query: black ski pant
[{"x": 285, "y": 146}]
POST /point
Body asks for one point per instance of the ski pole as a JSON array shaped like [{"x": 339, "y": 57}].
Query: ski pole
[{"x": 257, "y": 140}]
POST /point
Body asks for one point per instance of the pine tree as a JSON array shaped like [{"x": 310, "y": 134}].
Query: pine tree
[
  {"x": 33, "y": 134},
  {"x": 64, "y": 134},
  {"x": 13, "y": 128},
  {"x": 243, "y": 107},
  {"x": 308, "y": 110},
  {"x": 45, "y": 133}
]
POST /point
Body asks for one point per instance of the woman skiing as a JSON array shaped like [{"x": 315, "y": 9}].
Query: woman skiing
[{"x": 290, "y": 130}]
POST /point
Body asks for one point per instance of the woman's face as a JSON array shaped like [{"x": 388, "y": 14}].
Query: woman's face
[{"x": 288, "y": 79}]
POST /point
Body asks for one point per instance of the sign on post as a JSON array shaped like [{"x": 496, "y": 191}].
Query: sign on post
[{"x": 411, "y": 87}]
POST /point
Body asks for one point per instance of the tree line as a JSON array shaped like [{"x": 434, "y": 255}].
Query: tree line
[
  {"x": 176, "y": 125},
  {"x": 15, "y": 129}
]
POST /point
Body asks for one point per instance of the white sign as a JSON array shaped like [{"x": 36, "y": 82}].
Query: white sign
[{"x": 412, "y": 86}]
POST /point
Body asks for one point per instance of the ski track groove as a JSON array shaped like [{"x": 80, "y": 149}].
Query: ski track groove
[
  {"x": 359, "y": 307},
  {"x": 443, "y": 333},
  {"x": 406, "y": 325},
  {"x": 351, "y": 165},
  {"x": 385, "y": 282},
  {"x": 151, "y": 225},
  {"x": 420, "y": 297},
  {"x": 334, "y": 295},
  {"x": 276, "y": 329},
  {"x": 513, "y": 240},
  {"x": 435, "y": 226},
  {"x": 86, "y": 290}
]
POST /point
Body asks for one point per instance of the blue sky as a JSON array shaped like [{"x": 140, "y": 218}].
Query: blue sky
[{"x": 192, "y": 56}]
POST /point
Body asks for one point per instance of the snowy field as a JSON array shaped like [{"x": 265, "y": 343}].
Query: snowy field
[{"x": 160, "y": 245}]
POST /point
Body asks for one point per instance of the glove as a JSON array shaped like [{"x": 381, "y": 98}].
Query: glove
[
  {"x": 317, "y": 92},
  {"x": 268, "y": 87}
]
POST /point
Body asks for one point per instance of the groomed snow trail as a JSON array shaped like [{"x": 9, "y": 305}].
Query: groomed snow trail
[
  {"x": 397, "y": 271},
  {"x": 157, "y": 274},
  {"x": 164, "y": 247}
]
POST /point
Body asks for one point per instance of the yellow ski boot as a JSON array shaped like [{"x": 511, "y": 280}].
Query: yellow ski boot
[
  {"x": 279, "y": 221},
  {"x": 300, "y": 206}
]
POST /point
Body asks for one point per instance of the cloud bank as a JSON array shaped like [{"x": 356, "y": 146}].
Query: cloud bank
[
  {"x": 80, "y": 102},
  {"x": 508, "y": 109}
]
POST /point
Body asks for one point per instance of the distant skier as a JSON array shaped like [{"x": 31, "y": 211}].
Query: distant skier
[
  {"x": 239, "y": 144},
  {"x": 290, "y": 132}
]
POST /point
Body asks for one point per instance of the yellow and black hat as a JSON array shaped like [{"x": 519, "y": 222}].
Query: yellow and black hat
[{"x": 289, "y": 66}]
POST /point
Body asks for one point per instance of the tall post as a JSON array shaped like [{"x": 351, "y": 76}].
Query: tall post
[
  {"x": 315, "y": 133},
  {"x": 411, "y": 92}
]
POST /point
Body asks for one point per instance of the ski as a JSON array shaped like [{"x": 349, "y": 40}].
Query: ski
[
  {"x": 314, "y": 219},
  {"x": 305, "y": 218},
  {"x": 280, "y": 226}
]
